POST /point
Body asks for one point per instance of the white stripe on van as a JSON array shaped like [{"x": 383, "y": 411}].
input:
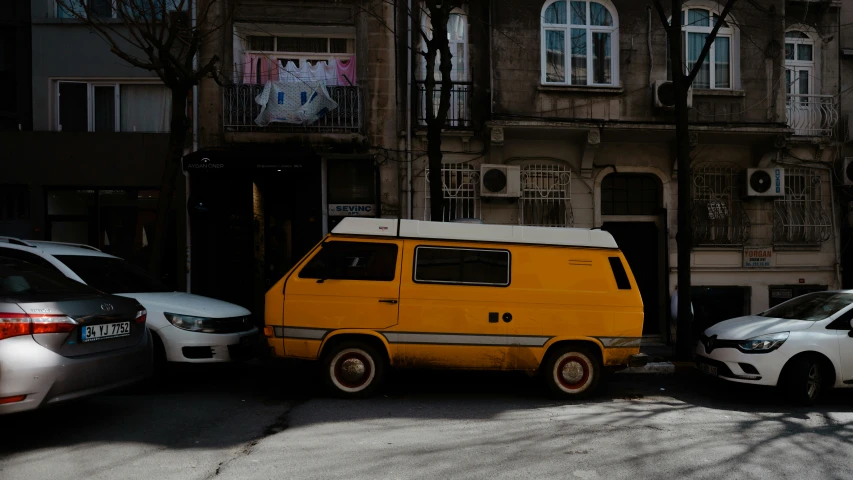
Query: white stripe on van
[
  {"x": 463, "y": 339},
  {"x": 306, "y": 333},
  {"x": 619, "y": 342}
]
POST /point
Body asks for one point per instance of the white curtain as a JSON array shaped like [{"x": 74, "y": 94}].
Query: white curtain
[{"x": 145, "y": 108}]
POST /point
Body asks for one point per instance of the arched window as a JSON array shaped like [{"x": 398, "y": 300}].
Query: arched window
[
  {"x": 799, "y": 63},
  {"x": 580, "y": 43},
  {"x": 718, "y": 70},
  {"x": 457, "y": 35}
]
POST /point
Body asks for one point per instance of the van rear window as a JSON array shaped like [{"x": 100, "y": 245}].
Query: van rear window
[
  {"x": 619, "y": 273},
  {"x": 465, "y": 266}
]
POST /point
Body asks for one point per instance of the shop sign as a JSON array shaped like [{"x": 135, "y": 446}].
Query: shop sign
[
  {"x": 757, "y": 256},
  {"x": 352, "y": 210}
]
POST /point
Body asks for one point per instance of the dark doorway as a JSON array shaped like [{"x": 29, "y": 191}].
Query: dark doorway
[
  {"x": 712, "y": 305},
  {"x": 639, "y": 242}
]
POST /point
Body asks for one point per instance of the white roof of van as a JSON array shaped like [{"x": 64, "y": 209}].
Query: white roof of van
[{"x": 386, "y": 227}]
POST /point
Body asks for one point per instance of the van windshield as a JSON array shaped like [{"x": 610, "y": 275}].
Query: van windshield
[{"x": 811, "y": 307}]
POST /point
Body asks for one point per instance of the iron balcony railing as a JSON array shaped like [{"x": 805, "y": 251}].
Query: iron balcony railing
[
  {"x": 459, "y": 114},
  {"x": 812, "y": 115},
  {"x": 239, "y": 111}
]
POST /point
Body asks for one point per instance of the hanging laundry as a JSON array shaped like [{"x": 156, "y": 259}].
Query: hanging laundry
[
  {"x": 346, "y": 72},
  {"x": 324, "y": 72},
  {"x": 293, "y": 102},
  {"x": 259, "y": 69}
]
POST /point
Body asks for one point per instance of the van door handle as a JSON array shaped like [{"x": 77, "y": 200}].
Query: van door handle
[{"x": 388, "y": 301}]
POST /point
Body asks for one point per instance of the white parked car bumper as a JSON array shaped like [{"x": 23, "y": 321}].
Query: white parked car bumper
[
  {"x": 194, "y": 347},
  {"x": 733, "y": 365}
]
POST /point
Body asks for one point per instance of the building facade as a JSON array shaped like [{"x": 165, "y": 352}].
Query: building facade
[
  {"x": 83, "y": 161},
  {"x": 578, "y": 121}
]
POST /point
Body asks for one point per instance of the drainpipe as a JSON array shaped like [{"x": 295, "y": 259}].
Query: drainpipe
[
  {"x": 836, "y": 245},
  {"x": 409, "y": 113},
  {"x": 193, "y": 21}
]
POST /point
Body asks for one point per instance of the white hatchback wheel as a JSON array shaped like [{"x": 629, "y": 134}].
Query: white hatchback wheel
[
  {"x": 352, "y": 370},
  {"x": 573, "y": 372}
]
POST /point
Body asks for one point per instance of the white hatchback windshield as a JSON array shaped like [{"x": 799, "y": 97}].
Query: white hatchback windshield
[
  {"x": 811, "y": 307},
  {"x": 112, "y": 275}
]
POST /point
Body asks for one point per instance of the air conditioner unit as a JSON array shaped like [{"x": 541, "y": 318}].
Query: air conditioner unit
[
  {"x": 664, "y": 93},
  {"x": 765, "y": 182},
  {"x": 847, "y": 171},
  {"x": 500, "y": 181}
]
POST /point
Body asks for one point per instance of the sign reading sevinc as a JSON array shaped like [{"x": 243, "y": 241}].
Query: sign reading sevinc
[{"x": 352, "y": 210}]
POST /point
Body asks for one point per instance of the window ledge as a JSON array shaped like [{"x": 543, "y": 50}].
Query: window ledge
[
  {"x": 708, "y": 92},
  {"x": 582, "y": 89}
]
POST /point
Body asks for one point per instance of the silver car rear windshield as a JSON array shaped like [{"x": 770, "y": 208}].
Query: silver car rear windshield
[{"x": 811, "y": 307}]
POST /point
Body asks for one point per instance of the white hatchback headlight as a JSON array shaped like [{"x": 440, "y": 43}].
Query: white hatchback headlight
[{"x": 764, "y": 343}]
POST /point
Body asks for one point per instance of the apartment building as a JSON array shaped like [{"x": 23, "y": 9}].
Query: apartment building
[
  {"x": 84, "y": 157},
  {"x": 580, "y": 133}
]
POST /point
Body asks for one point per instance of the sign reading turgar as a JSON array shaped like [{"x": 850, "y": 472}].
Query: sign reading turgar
[
  {"x": 757, "y": 257},
  {"x": 352, "y": 210}
]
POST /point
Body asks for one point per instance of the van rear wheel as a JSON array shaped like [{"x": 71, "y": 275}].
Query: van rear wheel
[
  {"x": 572, "y": 372},
  {"x": 353, "y": 370}
]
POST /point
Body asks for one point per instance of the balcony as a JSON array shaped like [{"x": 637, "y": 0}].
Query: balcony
[
  {"x": 239, "y": 111},
  {"x": 459, "y": 114},
  {"x": 812, "y": 115}
]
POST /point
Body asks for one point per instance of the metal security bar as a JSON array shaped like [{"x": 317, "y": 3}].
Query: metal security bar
[
  {"x": 239, "y": 111},
  {"x": 719, "y": 218},
  {"x": 461, "y": 187},
  {"x": 800, "y": 219},
  {"x": 546, "y": 196},
  {"x": 812, "y": 115},
  {"x": 459, "y": 114}
]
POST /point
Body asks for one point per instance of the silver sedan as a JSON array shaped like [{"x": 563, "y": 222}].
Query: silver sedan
[{"x": 61, "y": 340}]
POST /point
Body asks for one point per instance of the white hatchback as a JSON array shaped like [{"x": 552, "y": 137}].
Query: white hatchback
[
  {"x": 804, "y": 345},
  {"x": 187, "y": 328}
]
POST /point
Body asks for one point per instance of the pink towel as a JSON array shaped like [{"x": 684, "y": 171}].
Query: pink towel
[
  {"x": 346, "y": 72},
  {"x": 259, "y": 69}
]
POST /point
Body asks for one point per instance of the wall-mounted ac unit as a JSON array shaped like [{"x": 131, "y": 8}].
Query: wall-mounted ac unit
[
  {"x": 847, "y": 171},
  {"x": 664, "y": 93},
  {"x": 500, "y": 181},
  {"x": 765, "y": 182}
]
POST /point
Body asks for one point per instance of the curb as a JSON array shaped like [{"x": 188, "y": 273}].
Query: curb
[{"x": 661, "y": 368}]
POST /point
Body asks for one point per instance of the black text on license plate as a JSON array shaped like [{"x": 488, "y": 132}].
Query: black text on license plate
[
  {"x": 708, "y": 369},
  {"x": 108, "y": 330}
]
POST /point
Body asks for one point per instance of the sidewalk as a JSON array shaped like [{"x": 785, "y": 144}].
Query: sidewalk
[{"x": 661, "y": 361}]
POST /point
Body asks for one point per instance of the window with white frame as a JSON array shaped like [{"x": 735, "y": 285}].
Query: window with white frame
[
  {"x": 461, "y": 192},
  {"x": 329, "y": 59},
  {"x": 112, "y": 107},
  {"x": 580, "y": 43},
  {"x": 800, "y": 218},
  {"x": 546, "y": 196},
  {"x": 457, "y": 36},
  {"x": 718, "y": 69},
  {"x": 799, "y": 63},
  {"x": 139, "y": 9}
]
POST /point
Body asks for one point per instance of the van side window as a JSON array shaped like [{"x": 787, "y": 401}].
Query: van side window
[
  {"x": 353, "y": 261},
  {"x": 619, "y": 273},
  {"x": 462, "y": 266}
]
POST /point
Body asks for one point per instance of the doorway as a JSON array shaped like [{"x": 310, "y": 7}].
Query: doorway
[{"x": 639, "y": 243}]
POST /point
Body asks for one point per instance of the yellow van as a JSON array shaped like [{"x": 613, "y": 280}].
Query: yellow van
[{"x": 379, "y": 293}]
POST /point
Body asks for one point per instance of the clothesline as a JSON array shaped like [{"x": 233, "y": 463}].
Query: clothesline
[{"x": 260, "y": 69}]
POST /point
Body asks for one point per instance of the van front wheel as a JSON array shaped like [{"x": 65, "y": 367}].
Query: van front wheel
[
  {"x": 572, "y": 372},
  {"x": 353, "y": 370}
]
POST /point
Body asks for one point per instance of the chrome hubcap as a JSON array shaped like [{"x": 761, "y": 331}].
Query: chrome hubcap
[
  {"x": 352, "y": 370},
  {"x": 813, "y": 381},
  {"x": 572, "y": 372}
]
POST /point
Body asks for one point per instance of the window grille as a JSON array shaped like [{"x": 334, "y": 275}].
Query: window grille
[
  {"x": 461, "y": 187},
  {"x": 718, "y": 216},
  {"x": 546, "y": 194},
  {"x": 799, "y": 219}
]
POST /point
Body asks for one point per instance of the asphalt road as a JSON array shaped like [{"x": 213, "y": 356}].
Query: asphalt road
[{"x": 271, "y": 422}]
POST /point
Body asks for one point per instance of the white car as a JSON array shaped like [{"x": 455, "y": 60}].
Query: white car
[
  {"x": 803, "y": 345},
  {"x": 186, "y": 328}
]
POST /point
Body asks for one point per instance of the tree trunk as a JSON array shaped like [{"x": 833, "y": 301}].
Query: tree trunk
[
  {"x": 435, "y": 120},
  {"x": 177, "y": 139},
  {"x": 684, "y": 238}
]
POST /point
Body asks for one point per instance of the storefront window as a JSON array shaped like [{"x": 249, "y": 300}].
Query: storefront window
[
  {"x": 120, "y": 222},
  {"x": 351, "y": 189}
]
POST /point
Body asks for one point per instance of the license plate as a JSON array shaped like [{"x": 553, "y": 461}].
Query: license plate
[
  {"x": 708, "y": 369},
  {"x": 107, "y": 330}
]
